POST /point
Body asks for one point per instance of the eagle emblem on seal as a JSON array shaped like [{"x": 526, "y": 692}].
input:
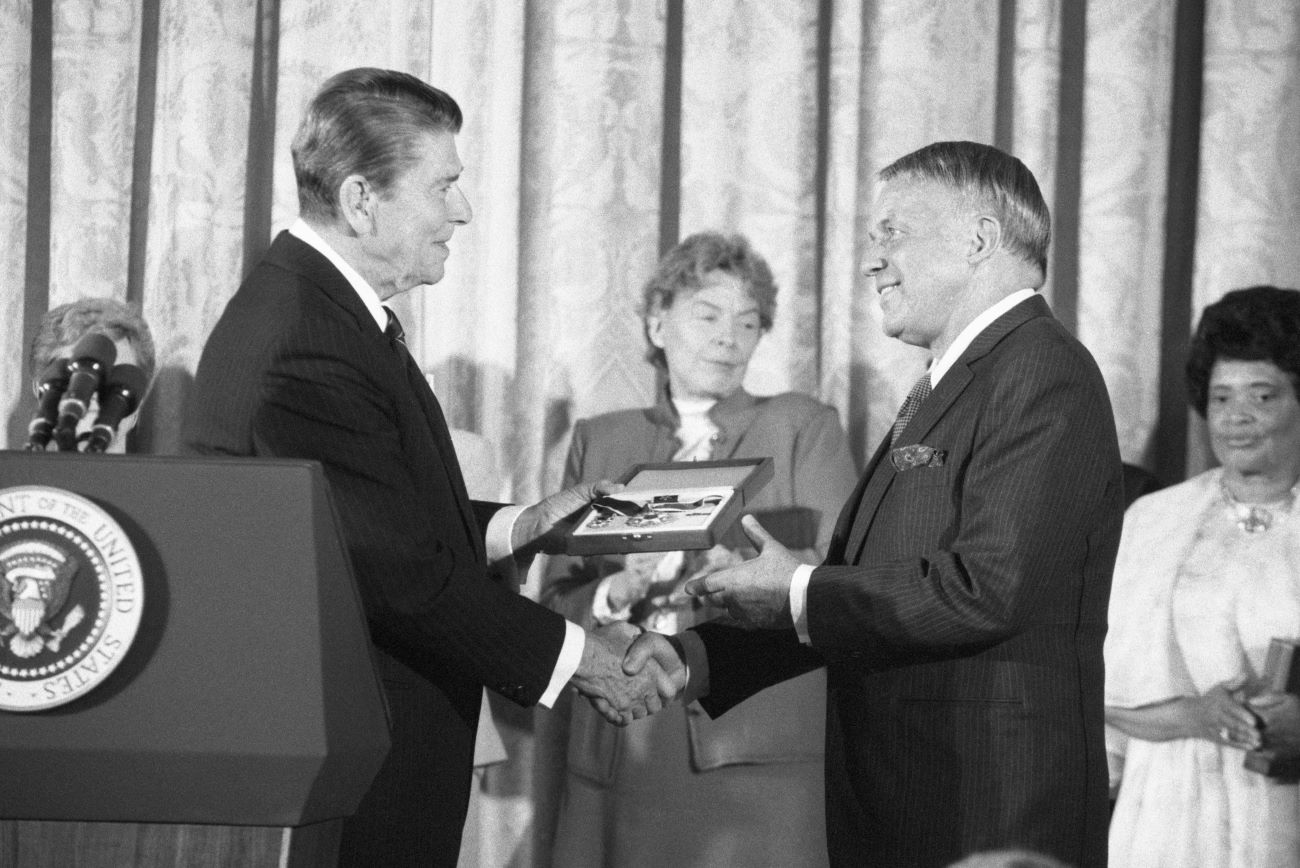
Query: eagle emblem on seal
[{"x": 37, "y": 577}]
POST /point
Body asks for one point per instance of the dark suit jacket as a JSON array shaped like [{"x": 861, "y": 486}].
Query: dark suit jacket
[
  {"x": 297, "y": 367},
  {"x": 961, "y": 612}
]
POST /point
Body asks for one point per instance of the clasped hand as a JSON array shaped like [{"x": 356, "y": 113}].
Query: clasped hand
[
  {"x": 628, "y": 674},
  {"x": 1222, "y": 714}
]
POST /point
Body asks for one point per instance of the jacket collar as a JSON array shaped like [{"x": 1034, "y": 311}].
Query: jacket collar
[
  {"x": 733, "y": 415},
  {"x": 298, "y": 257},
  {"x": 954, "y": 382}
]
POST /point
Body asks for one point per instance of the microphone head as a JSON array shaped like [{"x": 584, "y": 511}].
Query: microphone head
[
  {"x": 95, "y": 347},
  {"x": 55, "y": 376},
  {"x": 126, "y": 380},
  {"x": 118, "y": 398}
]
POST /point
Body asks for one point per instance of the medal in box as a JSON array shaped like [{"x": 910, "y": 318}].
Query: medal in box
[{"x": 682, "y": 505}]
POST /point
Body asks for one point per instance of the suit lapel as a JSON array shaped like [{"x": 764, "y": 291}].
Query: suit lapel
[
  {"x": 734, "y": 415},
  {"x": 295, "y": 255},
  {"x": 880, "y": 472},
  {"x": 441, "y": 434},
  {"x": 846, "y": 526}
]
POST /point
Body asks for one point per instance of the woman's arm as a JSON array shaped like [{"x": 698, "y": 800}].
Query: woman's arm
[{"x": 1216, "y": 715}]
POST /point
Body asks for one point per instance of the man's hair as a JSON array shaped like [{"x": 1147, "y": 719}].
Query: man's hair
[
  {"x": 992, "y": 179},
  {"x": 63, "y": 326},
  {"x": 366, "y": 122},
  {"x": 1255, "y": 324},
  {"x": 685, "y": 267}
]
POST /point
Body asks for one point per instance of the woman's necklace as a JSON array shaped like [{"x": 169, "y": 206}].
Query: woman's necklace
[{"x": 1257, "y": 518}]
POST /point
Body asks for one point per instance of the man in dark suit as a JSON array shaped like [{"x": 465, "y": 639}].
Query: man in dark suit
[
  {"x": 961, "y": 609},
  {"x": 307, "y": 362}
]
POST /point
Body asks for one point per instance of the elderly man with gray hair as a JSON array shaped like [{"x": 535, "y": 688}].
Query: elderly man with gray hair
[{"x": 308, "y": 362}]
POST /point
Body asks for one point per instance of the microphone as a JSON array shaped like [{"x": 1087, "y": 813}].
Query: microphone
[
  {"x": 54, "y": 380},
  {"x": 92, "y": 357},
  {"x": 118, "y": 399}
]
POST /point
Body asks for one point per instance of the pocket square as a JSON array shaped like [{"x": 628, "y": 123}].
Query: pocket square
[{"x": 916, "y": 455}]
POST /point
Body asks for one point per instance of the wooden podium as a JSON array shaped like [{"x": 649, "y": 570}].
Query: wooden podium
[{"x": 245, "y": 720}]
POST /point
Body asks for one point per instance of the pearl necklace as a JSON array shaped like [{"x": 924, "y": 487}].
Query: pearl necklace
[{"x": 1255, "y": 518}]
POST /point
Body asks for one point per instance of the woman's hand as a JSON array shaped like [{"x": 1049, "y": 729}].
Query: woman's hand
[
  {"x": 1221, "y": 715},
  {"x": 1280, "y": 721},
  {"x": 630, "y": 585}
]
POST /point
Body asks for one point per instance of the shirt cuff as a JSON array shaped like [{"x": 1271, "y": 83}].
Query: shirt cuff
[
  {"x": 567, "y": 664},
  {"x": 799, "y": 600},
  {"x": 697, "y": 667},
  {"x": 600, "y": 608},
  {"x": 500, "y": 531}
]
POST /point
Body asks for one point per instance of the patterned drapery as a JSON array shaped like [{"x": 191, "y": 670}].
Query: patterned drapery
[{"x": 144, "y": 155}]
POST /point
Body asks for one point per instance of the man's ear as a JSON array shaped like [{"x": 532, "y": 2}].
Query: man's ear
[
  {"x": 985, "y": 238},
  {"x": 357, "y": 202}
]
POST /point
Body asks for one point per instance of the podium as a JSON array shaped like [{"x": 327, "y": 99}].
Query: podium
[{"x": 244, "y": 720}]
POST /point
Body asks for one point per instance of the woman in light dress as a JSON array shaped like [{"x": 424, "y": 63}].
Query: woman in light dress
[{"x": 1208, "y": 574}]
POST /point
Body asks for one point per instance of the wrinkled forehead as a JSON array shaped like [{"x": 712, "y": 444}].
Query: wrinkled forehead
[{"x": 913, "y": 197}]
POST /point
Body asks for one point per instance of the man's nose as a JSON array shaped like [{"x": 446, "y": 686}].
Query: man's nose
[
  {"x": 873, "y": 262},
  {"x": 459, "y": 211}
]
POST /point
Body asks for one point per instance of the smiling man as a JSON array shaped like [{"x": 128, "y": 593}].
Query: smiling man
[
  {"x": 961, "y": 609},
  {"x": 307, "y": 362}
]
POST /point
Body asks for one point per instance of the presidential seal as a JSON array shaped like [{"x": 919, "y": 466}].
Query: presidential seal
[{"x": 71, "y": 594}]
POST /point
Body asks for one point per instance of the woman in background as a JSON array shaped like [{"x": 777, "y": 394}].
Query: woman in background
[
  {"x": 678, "y": 788},
  {"x": 1208, "y": 573}
]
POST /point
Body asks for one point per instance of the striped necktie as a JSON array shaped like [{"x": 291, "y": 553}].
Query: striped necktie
[{"x": 911, "y": 404}]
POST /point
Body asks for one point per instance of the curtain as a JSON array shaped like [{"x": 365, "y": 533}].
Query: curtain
[{"x": 145, "y": 156}]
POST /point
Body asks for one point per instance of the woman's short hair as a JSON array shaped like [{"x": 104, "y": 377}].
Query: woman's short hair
[
  {"x": 1258, "y": 323},
  {"x": 61, "y": 327},
  {"x": 684, "y": 268},
  {"x": 366, "y": 122}
]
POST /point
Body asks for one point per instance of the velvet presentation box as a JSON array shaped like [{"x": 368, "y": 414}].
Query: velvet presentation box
[{"x": 683, "y": 505}]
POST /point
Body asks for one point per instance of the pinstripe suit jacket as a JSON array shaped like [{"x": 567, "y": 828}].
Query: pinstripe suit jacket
[
  {"x": 296, "y": 367},
  {"x": 961, "y": 612}
]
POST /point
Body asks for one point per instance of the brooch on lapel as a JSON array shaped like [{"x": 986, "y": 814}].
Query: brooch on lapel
[{"x": 916, "y": 455}]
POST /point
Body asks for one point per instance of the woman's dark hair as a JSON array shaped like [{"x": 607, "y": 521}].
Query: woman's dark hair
[{"x": 1256, "y": 324}]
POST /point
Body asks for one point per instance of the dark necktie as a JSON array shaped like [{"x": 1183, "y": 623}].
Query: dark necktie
[
  {"x": 396, "y": 334},
  {"x": 911, "y": 404}
]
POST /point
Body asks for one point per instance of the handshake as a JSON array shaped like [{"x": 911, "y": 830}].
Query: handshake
[{"x": 627, "y": 673}]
